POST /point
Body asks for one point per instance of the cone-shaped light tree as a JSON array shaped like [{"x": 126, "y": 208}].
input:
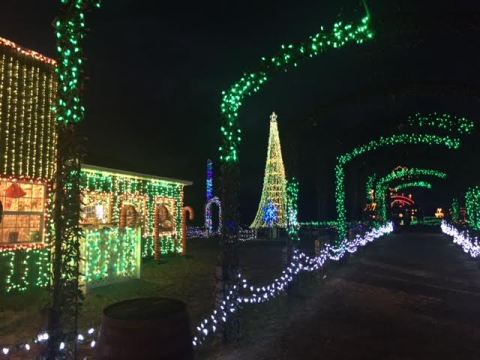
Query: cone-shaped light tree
[{"x": 274, "y": 183}]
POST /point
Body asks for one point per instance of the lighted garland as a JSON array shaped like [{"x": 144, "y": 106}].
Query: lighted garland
[
  {"x": 70, "y": 30},
  {"x": 383, "y": 183},
  {"x": 288, "y": 57},
  {"x": 209, "y": 181},
  {"x": 249, "y": 294},
  {"x": 246, "y": 293},
  {"x": 413, "y": 184},
  {"x": 370, "y": 188},
  {"x": 446, "y": 122},
  {"x": 394, "y": 140},
  {"x": 209, "y": 230},
  {"x": 455, "y": 210},
  {"x": 70, "y": 33},
  {"x": 318, "y": 224},
  {"x": 293, "y": 225},
  {"x": 469, "y": 244},
  {"x": 472, "y": 202}
]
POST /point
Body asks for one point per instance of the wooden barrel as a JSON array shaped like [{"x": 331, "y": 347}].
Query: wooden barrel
[{"x": 145, "y": 328}]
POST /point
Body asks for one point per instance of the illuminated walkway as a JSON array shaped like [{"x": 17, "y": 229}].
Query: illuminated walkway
[{"x": 408, "y": 296}]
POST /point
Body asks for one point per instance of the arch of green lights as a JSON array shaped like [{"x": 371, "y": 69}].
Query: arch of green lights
[
  {"x": 289, "y": 56},
  {"x": 402, "y": 174},
  {"x": 414, "y": 184},
  {"x": 394, "y": 140}
]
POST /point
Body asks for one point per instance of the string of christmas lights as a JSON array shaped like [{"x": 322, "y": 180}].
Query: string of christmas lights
[
  {"x": 455, "y": 210},
  {"x": 403, "y": 173},
  {"x": 413, "y": 184},
  {"x": 249, "y": 294},
  {"x": 472, "y": 203},
  {"x": 39, "y": 342},
  {"x": 470, "y": 245},
  {"x": 370, "y": 188},
  {"x": 293, "y": 225},
  {"x": 243, "y": 292},
  {"x": 447, "y": 122},
  {"x": 394, "y": 140},
  {"x": 26, "y": 113},
  {"x": 110, "y": 255},
  {"x": 144, "y": 193}
]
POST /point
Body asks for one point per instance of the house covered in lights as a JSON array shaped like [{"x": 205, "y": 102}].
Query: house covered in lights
[{"x": 126, "y": 216}]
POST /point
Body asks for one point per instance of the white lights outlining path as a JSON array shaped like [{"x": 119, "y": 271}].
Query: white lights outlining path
[
  {"x": 246, "y": 293},
  {"x": 301, "y": 262},
  {"x": 469, "y": 245}
]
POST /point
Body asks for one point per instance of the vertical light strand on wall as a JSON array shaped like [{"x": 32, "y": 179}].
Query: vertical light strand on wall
[
  {"x": 21, "y": 130},
  {"x": 9, "y": 70},
  {"x": 52, "y": 140},
  {"x": 44, "y": 113},
  {"x": 36, "y": 111},
  {"x": 15, "y": 103},
  {"x": 2, "y": 123},
  {"x": 28, "y": 129}
]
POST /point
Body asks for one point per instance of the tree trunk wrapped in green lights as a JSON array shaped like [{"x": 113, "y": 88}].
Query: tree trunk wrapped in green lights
[{"x": 63, "y": 316}]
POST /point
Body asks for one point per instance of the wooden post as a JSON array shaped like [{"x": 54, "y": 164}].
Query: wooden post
[{"x": 187, "y": 211}]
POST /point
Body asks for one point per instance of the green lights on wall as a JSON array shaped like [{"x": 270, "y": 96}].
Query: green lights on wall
[
  {"x": 288, "y": 57},
  {"x": 472, "y": 202},
  {"x": 113, "y": 254},
  {"x": 394, "y": 140},
  {"x": 24, "y": 267},
  {"x": 148, "y": 191}
]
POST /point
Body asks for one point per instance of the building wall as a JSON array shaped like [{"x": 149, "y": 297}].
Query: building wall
[
  {"x": 145, "y": 195},
  {"x": 28, "y": 88}
]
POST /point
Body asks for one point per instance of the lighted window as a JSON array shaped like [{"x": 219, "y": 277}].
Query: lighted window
[
  {"x": 23, "y": 212},
  {"x": 133, "y": 210},
  {"x": 165, "y": 215},
  {"x": 96, "y": 208}
]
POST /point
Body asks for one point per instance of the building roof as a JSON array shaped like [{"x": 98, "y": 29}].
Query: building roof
[
  {"x": 27, "y": 52},
  {"x": 132, "y": 174}
]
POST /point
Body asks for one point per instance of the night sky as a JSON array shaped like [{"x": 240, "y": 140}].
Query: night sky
[{"x": 156, "y": 71}]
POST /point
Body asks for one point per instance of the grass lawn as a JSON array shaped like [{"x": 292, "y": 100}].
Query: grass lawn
[{"x": 190, "y": 279}]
